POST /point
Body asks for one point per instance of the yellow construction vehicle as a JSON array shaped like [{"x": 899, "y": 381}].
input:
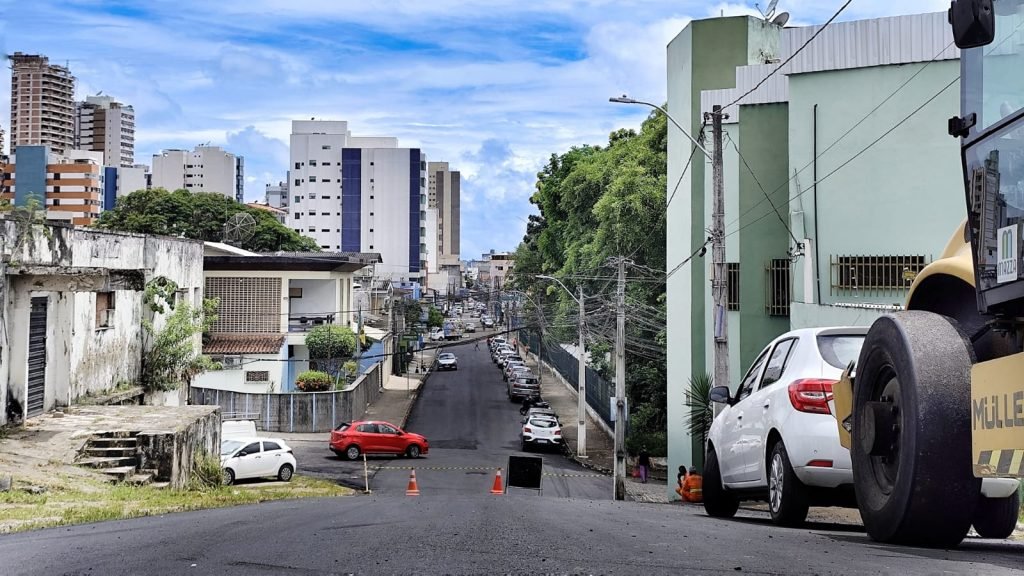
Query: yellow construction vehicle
[{"x": 933, "y": 410}]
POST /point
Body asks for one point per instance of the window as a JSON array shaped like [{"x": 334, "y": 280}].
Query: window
[
  {"x": 298, "y": 165},
  {"x": 298, "y": 182},
  {"x": 747, "y": 385},
  {"x": 104, "y": 310},
  {"x": 371, "y": 163},
  {"x": 777, "y": 362},
  {"x": 371, "y": 230},
  {"x": 776, "y": 301},
  {"x": 325, "y": 247},
  {"x": 312, "y": 196},
  {"x": 732, "y": 275},
  {"x": 367, "y": 428},
  {"x": 371, "y": 196},
  {"x": 840, "y": 349},
  {"x": 312, "y": 212},
  {"x": 371, "y": 247},
  {"x": 56, "y": 201},
  {"x": 325, "y": 230},
  {"x": 312, "y": 229},
  {"x": 312, "y": 162},
  {"x": 295, "y": 292},
  {"x": 257, "y": 376},
  {"x": 371, "y": 213},
  {"x": 325, "y": 163},
  {"x": 312, "y": 178},
  {"x": 325, "y": 147},
  {"x": 386, "y": 429},
  {"x": 268, "y": 446},
  {"x": 878, "y": 274},
  {"x": 371, "y": 180},
  {"x": 298, "y": 199},
  {"x": 298, "y": 215},
  {"x": 253, "y": 448}
]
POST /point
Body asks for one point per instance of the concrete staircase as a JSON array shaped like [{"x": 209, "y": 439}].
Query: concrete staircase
[{"x": 116, "y": 454}]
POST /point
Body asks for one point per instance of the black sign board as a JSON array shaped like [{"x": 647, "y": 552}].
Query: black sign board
[{"x": 525, "y": 472}]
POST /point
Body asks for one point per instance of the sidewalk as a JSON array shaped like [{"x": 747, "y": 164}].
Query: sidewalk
[{"x": 401, "y": 391}]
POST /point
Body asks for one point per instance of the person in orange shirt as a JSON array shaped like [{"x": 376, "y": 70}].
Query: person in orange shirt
[
  {"x": 693, "y": 487},
  {"x": 680, "y": 480}
]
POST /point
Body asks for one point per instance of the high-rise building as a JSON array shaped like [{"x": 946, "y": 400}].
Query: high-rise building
[
  {"x": 444, "y": 191},
  {"x": 42, "y": 104},
  {"x": 1, "y": 141},
  {"x": 69, "y": 185},
  {"x": 204, "y": 169},
  {"x": 105, "y": 125},
  {"x": 276, "y": 195},
  {"x": 359, "y": 194}
]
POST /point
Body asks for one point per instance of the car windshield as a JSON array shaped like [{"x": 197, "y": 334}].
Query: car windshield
[
  {"x": 543, "y": 423},
  {"x": 229, "y": 446},
  {"x": 840, "y": 349},
  {"x": 446, "y": 356}
]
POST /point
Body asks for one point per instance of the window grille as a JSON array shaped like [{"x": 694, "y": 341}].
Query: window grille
[
  {"x": 874, "y": 275},
  {"x": 247, "y": 305},
  {"x": 257, "y": 376},
  {"x": 777, "y": 295},
  {"x": 732, "y": 276}
]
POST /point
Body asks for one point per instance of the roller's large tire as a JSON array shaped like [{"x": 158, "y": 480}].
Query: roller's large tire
[
  {"x": 911, "y": 446},
  {"x": 997, "y": 517},
  {"x": 718, "y": 502}
]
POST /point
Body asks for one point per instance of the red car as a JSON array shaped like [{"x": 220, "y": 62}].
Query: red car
[{"x": 376, "y": 437}]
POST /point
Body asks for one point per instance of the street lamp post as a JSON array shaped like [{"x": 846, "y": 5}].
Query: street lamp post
[{"x": 581, "y": 374}]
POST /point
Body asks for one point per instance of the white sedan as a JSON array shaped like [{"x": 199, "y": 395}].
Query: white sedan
[
  {"x": 256, "y": 458},
  {"x": 447, "y": 361}
]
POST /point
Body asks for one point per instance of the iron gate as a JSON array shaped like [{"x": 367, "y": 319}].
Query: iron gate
[{"x": 37, "y": 356}]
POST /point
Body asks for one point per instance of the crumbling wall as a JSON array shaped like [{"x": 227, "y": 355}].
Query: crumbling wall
[{"x": 173, "y": 454}]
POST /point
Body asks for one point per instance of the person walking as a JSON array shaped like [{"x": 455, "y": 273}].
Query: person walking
[{"x": 644, "y": 463}]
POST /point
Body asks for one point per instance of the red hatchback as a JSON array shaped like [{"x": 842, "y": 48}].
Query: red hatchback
[{"x": 376, "y": 437}]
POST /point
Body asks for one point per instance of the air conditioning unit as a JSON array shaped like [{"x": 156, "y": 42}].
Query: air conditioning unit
[{"x": 231, "y": 362}]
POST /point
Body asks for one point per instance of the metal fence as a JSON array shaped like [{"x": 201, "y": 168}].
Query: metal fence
[
  {"x": 599, "y": 390},
  {"x": 298, "y": 411}
]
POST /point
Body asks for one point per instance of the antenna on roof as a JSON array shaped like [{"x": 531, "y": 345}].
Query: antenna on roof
[{"x": 769, "y": 12}]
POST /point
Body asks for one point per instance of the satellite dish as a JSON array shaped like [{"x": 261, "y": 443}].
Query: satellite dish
[
  {"x": 770, "y": 11},
  {"x": 239, "y": 229},
  {"x": 781, "y": 19}
]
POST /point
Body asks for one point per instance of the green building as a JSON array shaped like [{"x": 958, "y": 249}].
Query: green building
[{"x": 849, "y": 142}]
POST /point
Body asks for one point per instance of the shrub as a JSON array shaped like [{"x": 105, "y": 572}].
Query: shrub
[
  {"x": 656, "y": 443},
  {"x": 206, "y": 472},
  {"x": 313, "y": 381},
  {"x": 330, "y": 345}
]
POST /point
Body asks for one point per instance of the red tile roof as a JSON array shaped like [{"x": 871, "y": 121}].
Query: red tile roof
[{"x": 244, "y": 344}]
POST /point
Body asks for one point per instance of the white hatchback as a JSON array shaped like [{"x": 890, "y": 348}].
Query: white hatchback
[
  {"x": 256, "y": 458},
  {"x": 777, "y": 439}
]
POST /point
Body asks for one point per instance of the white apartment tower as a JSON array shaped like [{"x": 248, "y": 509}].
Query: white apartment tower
[
  {"x": 105, "y": 125},
  {"x": 204, "y": 169},
  {"x": 444, "y": 189},
  {"x": 42, "y": 103},
  {"x": 359, "y": 194}
]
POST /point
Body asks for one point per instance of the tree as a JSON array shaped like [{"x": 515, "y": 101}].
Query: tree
[
  {"x": 434, "y": 318},
  {"x": 200, "y": 216},
  {"x": 330, "y": 345},
  {"x": 171, "y": 359}
]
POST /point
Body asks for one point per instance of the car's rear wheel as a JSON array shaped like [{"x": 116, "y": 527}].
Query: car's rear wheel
[
  {"x": 787, "y": 497},
  {"x": 352, "y": 452},
  {"x": 284, "y": 474},
  {"x": 229, "y": 476},
  {"x": 718, "y": 502},
  {"x": 413, "y": 451},
  {"x": 997, "y": 517},
  {"x": 911, "y": 449}
]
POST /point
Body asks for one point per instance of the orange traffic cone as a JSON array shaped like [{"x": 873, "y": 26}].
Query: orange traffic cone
[
  {"x": 497, "y": 489},
  {"x": 413, "y": 489}
]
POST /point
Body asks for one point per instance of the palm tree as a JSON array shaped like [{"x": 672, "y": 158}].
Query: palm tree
[{"x": 698, "y": 401}]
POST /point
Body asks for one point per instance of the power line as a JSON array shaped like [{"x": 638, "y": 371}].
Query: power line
[
  {"x": 766, "y": 197},
  {"x": 693, "y": 150},
  {"x": 791, "y": 56}
]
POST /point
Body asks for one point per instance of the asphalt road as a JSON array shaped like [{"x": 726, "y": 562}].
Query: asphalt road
[{"x": 472, "y": 428}]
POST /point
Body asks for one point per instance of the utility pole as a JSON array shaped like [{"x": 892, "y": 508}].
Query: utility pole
[
  {"x": 620, "y": 383},
  {"x": 581, "y": 380},
  {"x": 719, "y": 280}
]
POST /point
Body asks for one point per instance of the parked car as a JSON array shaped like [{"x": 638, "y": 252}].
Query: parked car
[
  {"x": 542, "y": 412},
  {"x": 471, "y": 327},
  {"x": 252, "y": 457},
  {"x": 507, "y": 371},
  {"x": 513, "y": 357},
  {"x": 447, "y": 361},
  {"x": 488, "y": 323},
  {"x": 436, "y": 334},
  {"x": 540, "y": 431},
  {"x": 501, "y": 351},
  {"x": 777, "y": 439},
  {"x": 522, "y": 387},
  {"x": 349, "y": 440},
  {"x": 520, "y": 371}
]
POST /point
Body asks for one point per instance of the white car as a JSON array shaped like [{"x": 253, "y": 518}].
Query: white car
[
  {"x": 436, "y": 334},
  {"x": 447, "y": 361},
  {"x": 777, "y": 439},
  {"x": 470, "y": 327},
  {"x": 541, "y": 431},
  {"x": 256, "y": 458}
]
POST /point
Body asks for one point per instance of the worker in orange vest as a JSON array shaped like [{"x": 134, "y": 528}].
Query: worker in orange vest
[{"x": 693, "y": 487}]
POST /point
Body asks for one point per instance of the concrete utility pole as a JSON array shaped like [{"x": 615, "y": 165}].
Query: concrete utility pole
[
  {"x": 581, "y": 379},
  {"x": 719, "y": 280},
  {"x": 620, "y": 384}
]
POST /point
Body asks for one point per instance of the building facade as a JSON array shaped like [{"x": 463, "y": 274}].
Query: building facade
[
  {"x": 203, "y": 169},
  {"x": 823, "y": 195},
  {"x": 69, "y": 186},
  {"x": 359, "y": 194},
  {"x": 42, "y": 103},
  {"x": 444, "y": 190},
  {"x": 105, "y": 125},
  {"x": 276, "y": 195}
]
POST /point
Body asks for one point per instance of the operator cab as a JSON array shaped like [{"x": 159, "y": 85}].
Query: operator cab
[{"x": 991, "y": 127}]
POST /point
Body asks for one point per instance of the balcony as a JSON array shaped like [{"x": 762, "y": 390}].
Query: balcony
[{"x": 305, "y": 322}]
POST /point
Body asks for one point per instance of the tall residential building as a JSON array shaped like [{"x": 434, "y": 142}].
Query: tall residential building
[
  {"x": 69, "y": 185},
  {"x": 42, "y": 103},
  {"x": 1, "y": 141},
  {"x": 204, "y": 169},
  {"x": 120, "y": 181},
  {"x": 444, "y": 189},
  {"x": 359, "y": 194},
  {"x": 276, "y": 195},
  {"x": 105, "y": 125}
]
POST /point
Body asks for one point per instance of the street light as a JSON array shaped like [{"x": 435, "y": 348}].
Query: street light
[
  {"x": 581, "y": 374},
  {"x": 627, "y": 100}
]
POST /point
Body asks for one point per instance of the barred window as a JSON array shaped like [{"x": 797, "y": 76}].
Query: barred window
[
  {"x": 875, "y": 273},
  {"x": 777, "y": 295},
  {"x": 732, "y": 276},
  {"x": 257, "y": 376}
]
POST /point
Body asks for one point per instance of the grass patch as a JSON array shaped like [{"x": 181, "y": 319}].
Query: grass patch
[{"x": 97, "y": 502}]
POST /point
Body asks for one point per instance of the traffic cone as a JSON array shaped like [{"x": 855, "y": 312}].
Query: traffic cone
[
  {"x": 413, "y": 489},
  {"x": 497, "y": 489}
]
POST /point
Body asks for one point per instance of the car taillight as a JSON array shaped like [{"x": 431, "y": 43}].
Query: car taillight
[
  {"x": 558, "y": 430},
  {"x": 528, "y": 430},
  {"x": 811, "y": 395}
]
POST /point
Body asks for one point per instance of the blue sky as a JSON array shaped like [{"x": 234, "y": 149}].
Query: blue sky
[{"x": 492, "y": 86}]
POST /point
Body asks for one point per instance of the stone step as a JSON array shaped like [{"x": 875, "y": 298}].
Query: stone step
[
  {"x": 111, "y": 451},
  {"x": 119, "y": 473},
  {"x": 140, "y": 478},
  {"x": 118, "y": 434},
  {"x": 113, "y": 442},
  {"x": 112, "y": 462}
]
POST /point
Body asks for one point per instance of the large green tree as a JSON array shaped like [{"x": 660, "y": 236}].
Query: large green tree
[
  {"x": 200, "y": 216},
  {"x": 597, "y": 202}
]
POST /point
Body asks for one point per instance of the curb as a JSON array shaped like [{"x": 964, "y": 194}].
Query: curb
[{"x": 416, "y": 395}]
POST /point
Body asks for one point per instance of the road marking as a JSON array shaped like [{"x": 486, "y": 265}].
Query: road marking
[{"x": 485, "y": 469}]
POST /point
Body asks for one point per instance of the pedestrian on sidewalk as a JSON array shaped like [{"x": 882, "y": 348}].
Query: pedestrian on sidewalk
[{"x": 644, "y": 463}]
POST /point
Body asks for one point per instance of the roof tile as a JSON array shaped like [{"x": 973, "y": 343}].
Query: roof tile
[{"x": 244, "y": 344}]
